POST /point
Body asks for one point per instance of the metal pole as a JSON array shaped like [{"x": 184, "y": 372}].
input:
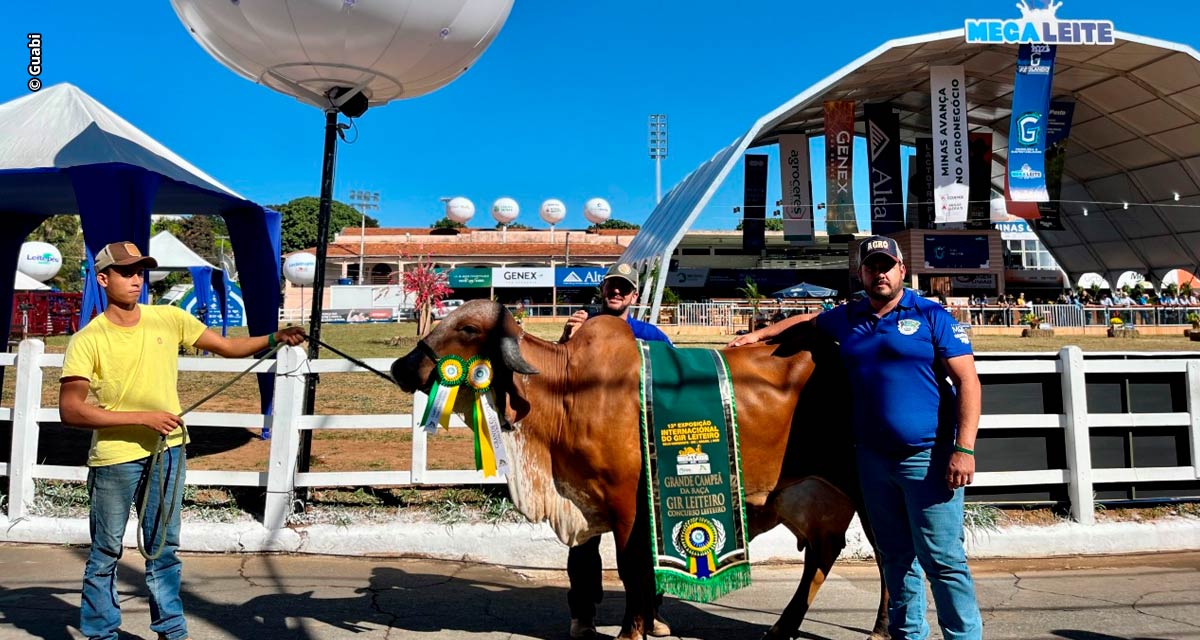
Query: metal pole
[
  {"x": 318, "y": 287},
  {"x": 362, "y": 245},
  {"x": 657, "y": 180}
]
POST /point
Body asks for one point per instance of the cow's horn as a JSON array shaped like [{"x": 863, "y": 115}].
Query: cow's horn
[{"x": 512, "y": 356}]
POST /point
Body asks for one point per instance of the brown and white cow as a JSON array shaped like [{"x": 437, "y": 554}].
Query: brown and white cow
[{"x": 574, "y": 444}]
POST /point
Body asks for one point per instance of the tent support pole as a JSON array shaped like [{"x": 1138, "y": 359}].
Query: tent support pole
[{"x": 318, "y": 286}]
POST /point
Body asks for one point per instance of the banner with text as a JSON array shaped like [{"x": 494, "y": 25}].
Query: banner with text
[
  {"x": 979, "y": 209},
  {"x": 754, "y": 203},
  {"x": 839, "y": 168},
  {"x": 578, "y": 277},
  {"x": 795, "y": 180},
  {"x": 948, "y": 95},
  {"x": 920, "y": 187},
  {"x": 470, "y": 278},
  {"x": 883, "y": 162},
  {"x": 1058, "y": 130},
  {"x": 1027, "y": 129},
  {"x": 512, "y": 277}
]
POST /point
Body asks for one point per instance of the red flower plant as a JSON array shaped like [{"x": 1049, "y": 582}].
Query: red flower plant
[{"x": 428, "y": 288}]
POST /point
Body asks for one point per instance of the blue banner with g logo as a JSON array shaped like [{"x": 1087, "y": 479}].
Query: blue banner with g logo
[{"x": 1027, "y": 130}]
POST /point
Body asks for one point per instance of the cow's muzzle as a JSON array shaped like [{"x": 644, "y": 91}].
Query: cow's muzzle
[{"x": 406, "y": 370}]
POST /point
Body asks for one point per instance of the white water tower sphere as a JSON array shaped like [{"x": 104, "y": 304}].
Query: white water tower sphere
[
  {"x": 553, "y": 211},
  {"x": 460, "y": 209},
  {"x": 39, "y": 260},
  {"x": 300, "y": 268},
  {"x": 597, "y": 211},
  {"x": 505, "y": 210},
  {"x": 304, "y": 48}
]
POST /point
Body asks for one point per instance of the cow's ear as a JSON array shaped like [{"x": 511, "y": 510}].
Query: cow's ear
[{"x": 516, "y": 405}]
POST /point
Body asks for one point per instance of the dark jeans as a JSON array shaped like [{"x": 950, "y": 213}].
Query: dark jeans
[
  {"x": 585, "y": 573},
  {"x": 112, "y": 490}
]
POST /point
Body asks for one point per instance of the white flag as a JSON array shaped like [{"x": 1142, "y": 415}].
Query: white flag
[
  {"x": 795, "y": 182},
  {"x": 951, "y": 178}
]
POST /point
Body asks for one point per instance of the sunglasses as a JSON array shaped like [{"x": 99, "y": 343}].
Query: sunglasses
[{"x": 622, "y": 289}]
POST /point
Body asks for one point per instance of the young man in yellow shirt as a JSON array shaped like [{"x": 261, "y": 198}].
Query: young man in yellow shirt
[{"x": 129, "y": 358}]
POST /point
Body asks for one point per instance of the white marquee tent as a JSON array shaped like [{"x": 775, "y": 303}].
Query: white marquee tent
[{"x": 1135, "y": 138}]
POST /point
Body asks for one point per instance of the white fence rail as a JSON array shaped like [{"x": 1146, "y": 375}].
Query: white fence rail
[{"x": 287, "y": 422}]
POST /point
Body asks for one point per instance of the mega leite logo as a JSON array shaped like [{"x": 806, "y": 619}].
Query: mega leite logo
[{"x": 1040, "y": 26}]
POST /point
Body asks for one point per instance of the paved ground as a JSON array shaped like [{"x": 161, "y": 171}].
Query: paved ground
[{"x": 309, "y": 598}]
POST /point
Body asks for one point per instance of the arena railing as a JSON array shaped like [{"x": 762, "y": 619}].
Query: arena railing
[{"x": 1078, "y": 389}]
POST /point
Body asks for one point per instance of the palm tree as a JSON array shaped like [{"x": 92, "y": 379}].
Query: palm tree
[{"x": 754, "y": 296}]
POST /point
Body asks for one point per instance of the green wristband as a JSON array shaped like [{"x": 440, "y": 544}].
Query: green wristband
[
  {"x": 270, "y": 341},
  {"x": 965, "y": 450}
]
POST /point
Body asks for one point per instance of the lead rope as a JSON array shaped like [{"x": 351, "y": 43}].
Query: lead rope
[{"x": 166, "y": 513}]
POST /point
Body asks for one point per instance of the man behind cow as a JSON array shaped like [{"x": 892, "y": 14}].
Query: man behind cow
[
  {"x": 618, "y": 291},
  {"x": 909, "y": 425}
]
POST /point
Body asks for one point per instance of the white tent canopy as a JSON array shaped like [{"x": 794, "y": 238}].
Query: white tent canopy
[
  {"x": 77, "y": 130},
  {"x": 171, "y": 253},
  {"x": 1135, "y": 138}
]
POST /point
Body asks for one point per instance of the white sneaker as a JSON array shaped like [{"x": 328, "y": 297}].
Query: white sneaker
[{"x": 660, "y": 628}]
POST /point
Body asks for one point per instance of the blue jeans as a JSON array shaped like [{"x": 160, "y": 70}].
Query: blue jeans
[
  {"x": 112, "y": 489},
  {"x": 918, "y": 524}
]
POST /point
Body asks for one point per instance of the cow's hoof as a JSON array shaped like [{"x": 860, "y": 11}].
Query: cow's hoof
[{"x": 583, "y": 629}]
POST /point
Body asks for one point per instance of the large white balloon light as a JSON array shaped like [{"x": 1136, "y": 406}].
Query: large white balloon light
[
  {"x": 460, "y": 209},
  {"x": 597, "y": 211},
  {"x": 39, "y": 260},
  {"x": 553, "y": 211},
  {"x": 505, "y": 210},
  {"x": 300, "y": 269},
  {"x": 305, "y": 48}
]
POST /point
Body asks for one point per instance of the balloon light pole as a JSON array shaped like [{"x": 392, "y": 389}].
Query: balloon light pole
[
  {"x": 313, "y": 50},
  {"x": 318, "y": 287}
]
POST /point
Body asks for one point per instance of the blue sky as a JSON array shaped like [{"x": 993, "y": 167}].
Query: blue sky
[{"x": 557, "y": 107}]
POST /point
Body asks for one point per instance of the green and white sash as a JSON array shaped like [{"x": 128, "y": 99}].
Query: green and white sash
[{"x": 690, "y": 448}]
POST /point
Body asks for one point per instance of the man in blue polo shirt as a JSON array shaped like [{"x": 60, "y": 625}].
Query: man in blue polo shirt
[
  {"x": 915, "y": 436},
  {"x": 618, "y": 292}
]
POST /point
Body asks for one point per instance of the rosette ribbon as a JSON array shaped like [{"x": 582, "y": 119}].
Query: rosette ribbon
[
  {"x": 451, "y": 373},
  {"x": 485, "y": 420},
  {"x": 477, "y": 373}
]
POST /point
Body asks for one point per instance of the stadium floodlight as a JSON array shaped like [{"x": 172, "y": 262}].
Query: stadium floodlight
[
  {"x": 658, "y": 150},
  {"x": 363, "y": 201}
]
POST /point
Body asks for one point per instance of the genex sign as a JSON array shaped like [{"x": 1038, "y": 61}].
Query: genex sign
[
  {"x": 512, "y": 277},
  {"x": 1040, "y": 26}
]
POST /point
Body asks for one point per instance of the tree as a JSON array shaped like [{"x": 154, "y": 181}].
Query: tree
[
  {"x": 613, "y": 223},
  {"x": 200, "y": 233},
  {"x": 447, "y": 223},
  {"x": 772, "y": 224},
  {"x": 300, "y": 222},
  {"x": 428, "y": 288},
  {"x": 754, "y": 296},
  {"x": 64, "y": 233},
  {"x": 516, "y": 226}
]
